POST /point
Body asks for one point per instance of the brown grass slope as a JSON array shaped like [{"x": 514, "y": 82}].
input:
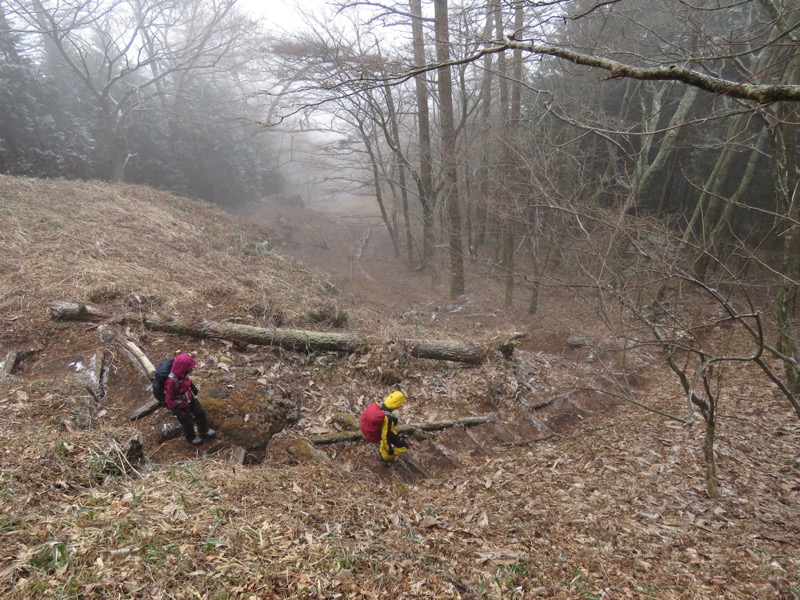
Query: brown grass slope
[{"x": 612, "y": 506}]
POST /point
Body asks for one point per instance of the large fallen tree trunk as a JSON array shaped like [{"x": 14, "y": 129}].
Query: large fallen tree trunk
[
  {"x": 300, "y": 340},
  {"x": 353, "y": 436},
  {"x": 290, "y": 339}
]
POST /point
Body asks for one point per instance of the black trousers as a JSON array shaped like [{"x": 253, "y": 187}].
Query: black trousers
[{"x": 185, "y": 414}]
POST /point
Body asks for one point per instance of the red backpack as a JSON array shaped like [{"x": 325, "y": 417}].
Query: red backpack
[{"x": 372, "y": 422}]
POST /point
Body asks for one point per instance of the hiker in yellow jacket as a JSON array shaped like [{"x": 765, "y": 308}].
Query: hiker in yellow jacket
[{"x": 379, "y": 426}]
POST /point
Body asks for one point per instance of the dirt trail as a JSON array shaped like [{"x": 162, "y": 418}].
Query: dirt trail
[{"x": 350, "y": 244}]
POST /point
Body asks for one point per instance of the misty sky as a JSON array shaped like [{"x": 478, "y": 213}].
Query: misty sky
[{"x": 281, "y": 13}]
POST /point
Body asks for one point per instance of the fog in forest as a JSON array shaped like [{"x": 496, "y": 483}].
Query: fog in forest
[
  {"x": 591, "y": 206},
  {"x": 481, "y": 126}
]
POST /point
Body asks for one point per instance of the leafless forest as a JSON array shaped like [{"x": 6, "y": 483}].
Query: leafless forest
[{"x": 641, "y": 158}]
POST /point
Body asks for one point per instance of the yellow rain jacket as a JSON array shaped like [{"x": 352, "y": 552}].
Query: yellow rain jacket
[
  {"x": 389, "y": 431},
  {"x": 379, "y": 425}
]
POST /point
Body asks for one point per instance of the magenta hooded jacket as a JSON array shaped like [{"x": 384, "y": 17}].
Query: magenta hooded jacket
[{"x": 178, "y": 394}]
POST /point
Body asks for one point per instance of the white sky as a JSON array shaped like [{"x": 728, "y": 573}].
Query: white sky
[{"x": 281, "y": 14}]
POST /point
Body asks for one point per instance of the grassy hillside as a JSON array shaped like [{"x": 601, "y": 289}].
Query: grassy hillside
[
  {"x": 134, "y": 248},
  {"x": 570, "y": 494}
]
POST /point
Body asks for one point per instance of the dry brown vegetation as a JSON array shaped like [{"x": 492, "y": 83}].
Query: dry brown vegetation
[{"x": 601, "y": 500}]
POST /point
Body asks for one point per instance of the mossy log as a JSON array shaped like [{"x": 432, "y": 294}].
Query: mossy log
[
  {"x": 69, "y": 311},
  {"x": 300, "y": 340},
  {"x": 354, "y": 436},
  {"x": 297, "y": 340}
]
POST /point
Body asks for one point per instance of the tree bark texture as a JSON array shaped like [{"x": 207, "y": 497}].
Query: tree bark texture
[
  {"x": 712, "y": 484},
  {"x": 401, "y": 170},
  {"x": 69, "y": 311},
  {"x": 449, "y": 163},
  {"x": 140, "y": 356},
  {"x": 299, "y": 340},
  {"x": 427, "y": 197}
]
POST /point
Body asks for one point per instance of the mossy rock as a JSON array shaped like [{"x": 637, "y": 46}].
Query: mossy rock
[
  {"x": 345, "y": 421},
  {"x": 215, "y": 393},
  {"x": 252, "y": 421},
  {"x": 304, "y": 451},
  {"x": 290, "y": 448}
]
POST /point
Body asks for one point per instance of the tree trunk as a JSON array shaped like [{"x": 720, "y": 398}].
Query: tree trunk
[
  {"x": 354, "y": 436},
  {"x": 315, "y": 341},
  {"x": 289, "y": 339},
  {"x": 13, "y": 360},
  {"x": 787, "y": 295},
  {"x": 148, "y": 408},
  {"x": 115, "y": 155},
  {"x": 427, "y": 197},
  {"x": 712, "y": 485},
  {"x": 511, "y": 162},
  {"x": 141, "y": 358},
  {"x": 395, "y": 132},
  {"x": 376, "y": 179},
  {"x": 533, "y": 305},
  {"x": 449, "y": 164},
  {"x": 485, "y": 129},
  {"x": 787, "y": 187},
  {"x": 721, "y": 230},
  {"x": 505, "y": 201},
  {"x": 68, "y": 311},
  {"x": 668, "y": 144}
]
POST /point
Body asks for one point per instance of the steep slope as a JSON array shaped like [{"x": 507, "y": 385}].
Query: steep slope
[{"x": 568, "y": 494}]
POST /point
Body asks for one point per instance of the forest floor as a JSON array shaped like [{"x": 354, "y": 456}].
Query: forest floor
[{"x": 570, "y": 493}]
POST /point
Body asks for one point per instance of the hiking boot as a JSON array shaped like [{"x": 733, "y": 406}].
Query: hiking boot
[
  {"x": 209, "y": 432},
  {"x": 196, "y": 441}
]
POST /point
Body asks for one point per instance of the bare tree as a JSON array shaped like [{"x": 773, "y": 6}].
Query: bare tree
[
  {"x": 125, "y": 53},
  {"x": 449, "y": 163}
]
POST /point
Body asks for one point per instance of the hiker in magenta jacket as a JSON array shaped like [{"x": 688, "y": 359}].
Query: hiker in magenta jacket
[{"x": 180, "y": 396}]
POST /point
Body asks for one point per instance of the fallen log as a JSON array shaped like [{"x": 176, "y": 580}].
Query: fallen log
[
  {"x": 14, "y": 358},
  {"x": 300, "y": 340},
  {"x": 472, "y": 354},
  {"x": 412, "y": 465},
  {"x": 99, "y": 376},
  {"x": 148, "y": 408},
  {"x": 151, "y": 405},
  {"x": 69, "y": 311},
  {"x": 354, "y": 436},
  {"x": 289, "y": 339},
  {"x": 168, "y": 431},
  {"x": 140, "y": 356}
]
